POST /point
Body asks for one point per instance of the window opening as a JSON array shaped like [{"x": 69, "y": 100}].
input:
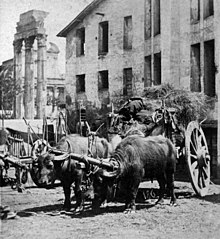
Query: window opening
[
  {"x": 127, "y": 82},
  {"x": 156, "y": 16},
  {"x": 195, "y": 84},
  {"x": 103, "y": 37},
  {"x": 80, "y": 83},
  {"x": 80, "y": 45},
  {"x": 157, "y": 69},
  {"x": 147, "y": 19},
  {"x": 128, "y": 33},
  {"x": 103, "y": 80},
  {"x": 147, "y": 72},
  {"x": 209, "y": 68},
  {"x": 195, "y": 10},
  {"x": 208, "y": 8}
]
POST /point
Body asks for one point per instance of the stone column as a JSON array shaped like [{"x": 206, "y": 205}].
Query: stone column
[
  {"x": 29, "y": 79},
  {"x": 19, "y": 82},
  {"x": 41, "y": 76},
  {"x": 217, "y": 62}
]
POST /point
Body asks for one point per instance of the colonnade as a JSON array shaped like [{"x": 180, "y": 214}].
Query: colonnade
[
  {"x": 25, "y": 104},
  {"x": 29, "y": 29}
]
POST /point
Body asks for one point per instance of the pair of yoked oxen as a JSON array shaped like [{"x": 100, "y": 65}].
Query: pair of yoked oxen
[{"x": 137, "y": 157}]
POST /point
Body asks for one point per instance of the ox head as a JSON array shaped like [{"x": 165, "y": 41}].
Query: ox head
[
  {"x": 46, "y": 167},
  {"x": 103, "y": 185},
  {"x": 102, "y": 189}
]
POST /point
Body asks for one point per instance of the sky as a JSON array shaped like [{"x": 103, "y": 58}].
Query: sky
[{"x": 61, "y": 13}]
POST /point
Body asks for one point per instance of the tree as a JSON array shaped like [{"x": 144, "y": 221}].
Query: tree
[{"x": 9, "y": 88}]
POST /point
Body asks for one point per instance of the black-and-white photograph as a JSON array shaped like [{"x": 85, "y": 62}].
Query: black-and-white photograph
[{"x": 110, "y": 119}]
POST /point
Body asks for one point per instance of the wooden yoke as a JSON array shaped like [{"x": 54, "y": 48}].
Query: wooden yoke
[{"x": 102, "y": 163}]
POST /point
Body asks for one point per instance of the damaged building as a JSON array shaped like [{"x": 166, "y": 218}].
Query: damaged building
[{"x": 117, "y": 48}]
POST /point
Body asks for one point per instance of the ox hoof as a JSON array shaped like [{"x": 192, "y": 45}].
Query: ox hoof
[
  {"x": 104, "y": 204},
  {"x": 129, "y": 211},
  {"x": 173, "y": 204},
  {"x": 20, "y": 189},
  {"x": 160, "y": 201},
  {"x": 79, "y": 209},
  {"x": 65, "y": 209}
]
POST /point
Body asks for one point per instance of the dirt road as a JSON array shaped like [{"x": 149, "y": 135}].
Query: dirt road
[{"x": 39, "y": 216}]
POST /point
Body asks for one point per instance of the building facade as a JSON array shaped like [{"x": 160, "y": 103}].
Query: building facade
[
  {"x": 118, "y": 47},
  {"x": 125, "y": 46}
]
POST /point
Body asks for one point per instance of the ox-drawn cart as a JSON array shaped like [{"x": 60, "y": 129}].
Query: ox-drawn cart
[
  {"x": 190, "y": 140},
  {"x": 190, "y": 144},
  {"x": 23, "y": 156}
]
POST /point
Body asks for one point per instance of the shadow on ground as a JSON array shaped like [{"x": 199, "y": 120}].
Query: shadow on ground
[
  {"x": 214, "y": 198},
  {"x": 56, "y": 210},
  {"x": 43, "y": 209}
]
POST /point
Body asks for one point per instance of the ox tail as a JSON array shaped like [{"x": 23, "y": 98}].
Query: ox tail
[
  {"x": 172, "y": 155},
  {"x": 170, "y": 170}
]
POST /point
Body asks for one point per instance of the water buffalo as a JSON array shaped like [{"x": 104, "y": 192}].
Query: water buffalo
[
  {"x": 70, "y": 171},
  {"x": 138, "y": 158}
]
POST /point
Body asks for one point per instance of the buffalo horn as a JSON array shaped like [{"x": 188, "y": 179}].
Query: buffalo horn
[
  {"x": 108, "y": 174},
  {"x": 61, "y": 157}
]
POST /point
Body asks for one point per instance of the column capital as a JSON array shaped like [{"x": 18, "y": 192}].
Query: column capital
[
  {"x": 41, "y": 40},
  {"x": 29, "y": 42},
  {"x": 17, "y": 45}
]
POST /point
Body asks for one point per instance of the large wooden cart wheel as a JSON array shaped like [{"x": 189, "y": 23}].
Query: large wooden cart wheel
[
  {"x": 198, "y": 158},
  {"x": 39, "y": 147}
]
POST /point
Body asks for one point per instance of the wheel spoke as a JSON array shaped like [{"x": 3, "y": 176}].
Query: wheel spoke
[
  {"x": 196, "y": 176},
  {"x": 202, "y": 178},
  {"x": 205, "y": 173},
  {"x": 200, "y": 141},
  {"x": 194, "y": 171},
  {"x": 199, "y": 178},
  {"x": 37, "y": 173},
  {"x": 194, "y": 148},
  {"x": 194, "y": 166},
  {"x": 195, "y": 138},
  {"x": 193, "y": 156}
]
